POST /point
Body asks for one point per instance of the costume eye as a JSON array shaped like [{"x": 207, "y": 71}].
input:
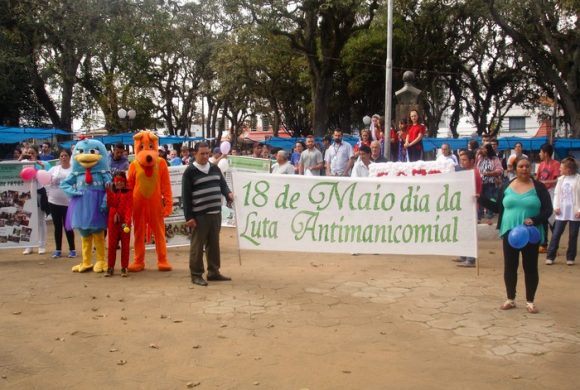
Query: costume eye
[
  {"x": 94, "y": 151},
  {"x": 151, "y": 146},
  {"x": 141, "y": 146},
  {"x": 79, "y": 151}
]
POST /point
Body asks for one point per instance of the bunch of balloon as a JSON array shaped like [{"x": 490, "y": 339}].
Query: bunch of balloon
[{"x": 522, "y": 235}]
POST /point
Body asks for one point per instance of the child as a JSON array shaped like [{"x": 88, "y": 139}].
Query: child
[
  {"x": 120, "y": 203},
  {"x": 567, "y": 209}
]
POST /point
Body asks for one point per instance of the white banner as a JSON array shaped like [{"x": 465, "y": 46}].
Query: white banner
[
  {"x": 18, "y": 207},
  {"x": 433, "y": 214}
]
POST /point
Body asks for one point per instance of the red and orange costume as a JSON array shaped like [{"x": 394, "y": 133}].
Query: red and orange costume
[
  {"x": 120, "y": 204},
  {"x": 152, "y": 199}
]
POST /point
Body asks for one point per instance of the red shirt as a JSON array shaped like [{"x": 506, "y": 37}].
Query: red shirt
[
  {"x": 548, "y": 171},
  {"x": 413, "y": 131}
]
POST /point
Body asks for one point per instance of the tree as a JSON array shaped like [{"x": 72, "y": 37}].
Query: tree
[
  {"x": 319, "y": 30},
  {"x": 547, "y": 33}
]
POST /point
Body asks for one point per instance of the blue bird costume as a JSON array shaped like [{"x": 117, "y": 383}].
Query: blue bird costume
[{"x": 87, "y": 211}]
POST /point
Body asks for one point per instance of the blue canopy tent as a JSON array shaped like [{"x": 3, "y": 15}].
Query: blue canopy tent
[
  {"x": 127, "y": 139},
  {"x": 289, "y": 143},
  {"x": 430, "y": 144},
  {"x": 13, "y": 135}
]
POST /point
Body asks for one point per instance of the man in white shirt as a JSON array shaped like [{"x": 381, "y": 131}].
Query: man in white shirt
[
  {"x": 311, "y": 159},
  {"x": 282, "y": 165},
  {"x": 447, "y": 154},
  {"x": 338, "y": 157},
  {"x": 361, "y": 167}
]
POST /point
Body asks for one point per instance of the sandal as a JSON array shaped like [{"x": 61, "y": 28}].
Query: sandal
[
  {"x": 509, "y": 304},
  {"x": 531, "y": 308}
]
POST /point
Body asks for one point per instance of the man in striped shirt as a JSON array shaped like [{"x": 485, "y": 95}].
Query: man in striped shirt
[{"x": 202, "y": 188}]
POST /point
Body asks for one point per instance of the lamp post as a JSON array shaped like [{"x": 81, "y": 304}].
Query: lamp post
[
  {"x": 388, "y": 80},
  {"x": 128, "y": 116}
]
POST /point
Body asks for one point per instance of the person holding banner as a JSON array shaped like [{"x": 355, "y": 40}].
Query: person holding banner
[
  {"x": 282, "y": 165},
  {"x": 338, "y": 156},
  {"x": 202, "y": 187},
  {"x": 311, "y": 159},
  {"x": 522, "y": 201},
  {"x": 31, "y": 154}
]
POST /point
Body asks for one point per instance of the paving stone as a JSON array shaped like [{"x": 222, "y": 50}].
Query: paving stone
[
  {"x": 444, "y": 324},
  {"x": 529, "y": 348},
  {"x": 415, "y": 317},
  {"x": 471, "y": 332},
  {"x": 502, "y": 350}
]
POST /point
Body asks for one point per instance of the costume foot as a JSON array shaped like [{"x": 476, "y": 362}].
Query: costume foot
[
  {"x": 82, "y": 268},
  {"x": 100, "y": 266},
  {"x": 136, "y": 267},
  {"x": 164, "y": 267}
]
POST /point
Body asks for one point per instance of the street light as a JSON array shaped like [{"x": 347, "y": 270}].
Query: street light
[{"x": 128, "y": 116}]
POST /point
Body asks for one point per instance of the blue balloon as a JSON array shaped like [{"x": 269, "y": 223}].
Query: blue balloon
[
  {"x": 534, "y": 234},
  {"x": 519, "y": 237}
]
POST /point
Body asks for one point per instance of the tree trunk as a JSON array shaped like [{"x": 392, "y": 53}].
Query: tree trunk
[{"x": 320, "y": 101}]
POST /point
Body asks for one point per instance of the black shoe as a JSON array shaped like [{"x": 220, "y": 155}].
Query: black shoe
[
  {"x": 198, "y": 280},
  {"x": 109, "y": 273},
  {"x": 218, "y": 278},
  {"x": 124, "y": 272}
]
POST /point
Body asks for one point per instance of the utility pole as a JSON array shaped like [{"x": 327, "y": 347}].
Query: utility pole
[{"x": 388, "y": 81}]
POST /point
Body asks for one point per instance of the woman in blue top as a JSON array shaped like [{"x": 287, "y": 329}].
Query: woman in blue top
[{"x": 522, "y": 201}]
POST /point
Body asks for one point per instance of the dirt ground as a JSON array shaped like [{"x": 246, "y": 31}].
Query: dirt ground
[{"x": 287, "y": 321}]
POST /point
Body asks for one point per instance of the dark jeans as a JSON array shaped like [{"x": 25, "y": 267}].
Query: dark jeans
[
  {"x": 414, "y": 154},
  {"x": 58, "y": 216},
  {"x": 489, "y": 190},
  {"x": 511, "y": 259},
  {"x": 559, "y": 227},
  {"x": 206, "y": 233}
]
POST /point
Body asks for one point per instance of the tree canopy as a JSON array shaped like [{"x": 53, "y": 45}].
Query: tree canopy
[{"x": 306, "y": 66}]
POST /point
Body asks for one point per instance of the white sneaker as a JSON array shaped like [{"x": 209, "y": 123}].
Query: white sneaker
[
  {"x": 27, "y": 251},
  {"x": 549, "y": 261},
  {"x": 570, "y": 262},
  {"x": 41, "y": 250}
]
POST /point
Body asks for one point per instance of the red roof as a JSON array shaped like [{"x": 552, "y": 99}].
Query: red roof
[
  {"x": 545, "y": 129},
  {"x": 259, "y": 136}
]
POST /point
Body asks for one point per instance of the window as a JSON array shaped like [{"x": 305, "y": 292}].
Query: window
[{"x": 517, "y": 124}]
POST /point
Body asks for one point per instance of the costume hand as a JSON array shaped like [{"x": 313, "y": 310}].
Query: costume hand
[{"x": 191, "y": 223}]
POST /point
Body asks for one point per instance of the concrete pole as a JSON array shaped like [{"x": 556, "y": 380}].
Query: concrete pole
[{"x": 389, "y": 81}]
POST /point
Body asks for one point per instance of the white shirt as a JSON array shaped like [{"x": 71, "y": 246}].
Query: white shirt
[
  {"x": 451, "y": 157},
  {"x": 359, "y": 169},
  {"x": 567, "y": 211},
  {"x": 338, "y": 155},
  {"x": 284, "y": 169},
  {"x": 55, "y": 194}
]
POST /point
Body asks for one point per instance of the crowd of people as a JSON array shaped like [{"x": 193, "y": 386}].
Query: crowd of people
[{"x": 548, "y": 199}]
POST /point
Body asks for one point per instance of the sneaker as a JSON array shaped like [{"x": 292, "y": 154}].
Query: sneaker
[
  {"x": 41, "y": 250},
  {"x": 124, "y": 272},
  {"x": 56, "y": 254},
  {"x": 27, "y": 251},
  {"x": 467, "y": 264},
  {"x": 570, "y": 262},
  {"x": 531, "y": 308},
  {"x": 543, "y": 249},
  {"x": 458, "y": 260},
  {"x": 549, "y": 261},
  {"x": 109, "y": 273},
  {"x": 72, "y": 253},
  {"x": 508, "y": 304}
]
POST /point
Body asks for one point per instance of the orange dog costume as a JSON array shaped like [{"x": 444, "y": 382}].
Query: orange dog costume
[{"x": 152, "y": 199}]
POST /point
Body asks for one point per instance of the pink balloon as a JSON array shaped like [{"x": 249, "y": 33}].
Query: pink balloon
[
  {"x": 43, "y": 177},
  {"x": 225, "y": 147},
  {"x": 28, "y": 173}
]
